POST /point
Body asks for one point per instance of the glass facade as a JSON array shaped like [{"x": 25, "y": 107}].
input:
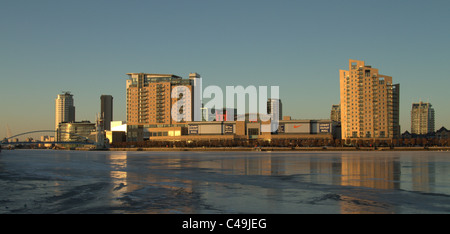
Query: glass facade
[{"x": 75, "y": 131}]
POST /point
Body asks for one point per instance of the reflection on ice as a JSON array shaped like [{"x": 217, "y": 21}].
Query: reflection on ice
[{"x": 224, "y": 182}]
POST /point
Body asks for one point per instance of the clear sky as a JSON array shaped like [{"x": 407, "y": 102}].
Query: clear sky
[{"x": 87, "y": 47}]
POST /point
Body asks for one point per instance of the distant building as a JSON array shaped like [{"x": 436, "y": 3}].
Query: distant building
[
  {"x": 106, "y": 110},
  {"x": 225, "y": 114},
  {"x": 115, "y": 137},
  {"x": 119, "y": 126},
  {"x": 443, "y": 133},
  {"x": 369, "y": 103},
  {"x": 64, "y": 109},
  {"x": 47, "y": 139},
  {"x": 206, "y": 114},
  {"x": 76, "y": 131},
  {"x": 118, "y": 132},
  {"x": 275, "y": 105},
  {"x": 422, "y": 118},
  {"x": 336, "y": 113}
]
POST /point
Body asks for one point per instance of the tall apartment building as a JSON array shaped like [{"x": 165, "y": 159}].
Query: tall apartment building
[
  {"x": 272, "y": 105},
  {"x": 422, "y": 118},
  {"x": 64, "y": 109},
  {"x": 149, "y": 98},
  {"x": 369, "y": 103},
  {"x": 150, "y": 101},
  {"x": 335, "y": 113},
  {"x": 106, "y": 110}
]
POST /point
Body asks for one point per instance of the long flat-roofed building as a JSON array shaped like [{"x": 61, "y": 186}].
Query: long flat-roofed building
[
  {"x": 369, "y": 103},
  {"x": 246, "y": 130}
]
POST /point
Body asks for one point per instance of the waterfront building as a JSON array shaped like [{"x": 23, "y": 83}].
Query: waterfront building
[
  {"x": 115, "y": 136},
  {"x": 149, "y": 98},
  {"x": 106, "y": 110},
  {"x": 119, "y": 126},
  {"x": 118, "y": 132},
  {"x": 76, "y": 131},
  {"x": 422, "y": 118},
  {"x": 150, "y": 102},
  {"x": 64, "y": 108},
  {"x": 369, "y": 103},
  {"x": 246, "y": 130},
  {"x": 335, "y": 113},
  {"x": 443, "y": 133}
]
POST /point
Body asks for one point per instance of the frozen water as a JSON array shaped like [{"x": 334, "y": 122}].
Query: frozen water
[{"x": 52, "y": 181}]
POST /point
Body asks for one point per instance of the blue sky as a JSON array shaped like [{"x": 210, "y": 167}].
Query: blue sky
[{"x": 87, "y": 47}]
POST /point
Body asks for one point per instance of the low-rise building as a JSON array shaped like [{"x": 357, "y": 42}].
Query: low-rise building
[
  {"x": 235, "y": 130},
  {"x": 75, "y": 131},
  {"x": 443, "y": 133},
  {"x": 115, "y": 136}
]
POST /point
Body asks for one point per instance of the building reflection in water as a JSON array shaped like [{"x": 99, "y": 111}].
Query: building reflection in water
[
  {"x": 136, "y": 183},
  {"x": 423, "y": 174},
  {"x": 354, "y": 170},
  {"x": 334, "y": 169},
  {"x": 118, "y": 175},
  {"x": 370, "y": 171}
]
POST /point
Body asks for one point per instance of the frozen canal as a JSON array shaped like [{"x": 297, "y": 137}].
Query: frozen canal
[{"x": 51, "y": 181}]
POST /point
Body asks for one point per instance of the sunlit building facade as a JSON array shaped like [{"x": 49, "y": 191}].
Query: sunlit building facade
[
  {"x": 369, "y": 103},
  {"x": 64, "y": 108},
  {"x": 335, "y": 113},
  {"x": 422, "y": 118},
  {"x": 76, "y": 131},
  {"x": 150, "y": 103}
]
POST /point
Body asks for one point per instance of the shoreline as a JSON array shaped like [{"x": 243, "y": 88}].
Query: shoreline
[
  {"x": 269, "y": 149},
  {"x": 261, "y": 149}
]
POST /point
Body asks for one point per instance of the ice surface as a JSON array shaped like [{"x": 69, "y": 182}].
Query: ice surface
[{"x": 52, "y": 181}]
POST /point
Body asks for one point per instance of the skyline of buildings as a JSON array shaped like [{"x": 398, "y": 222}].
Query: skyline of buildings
[
  {"x": 150, "y": 105},
  {"x": 370, "y": 109},
  {"x": 304, "y": 61}
]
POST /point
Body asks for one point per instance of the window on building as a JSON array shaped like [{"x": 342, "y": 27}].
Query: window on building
[{"x": 253, "y": 131}]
